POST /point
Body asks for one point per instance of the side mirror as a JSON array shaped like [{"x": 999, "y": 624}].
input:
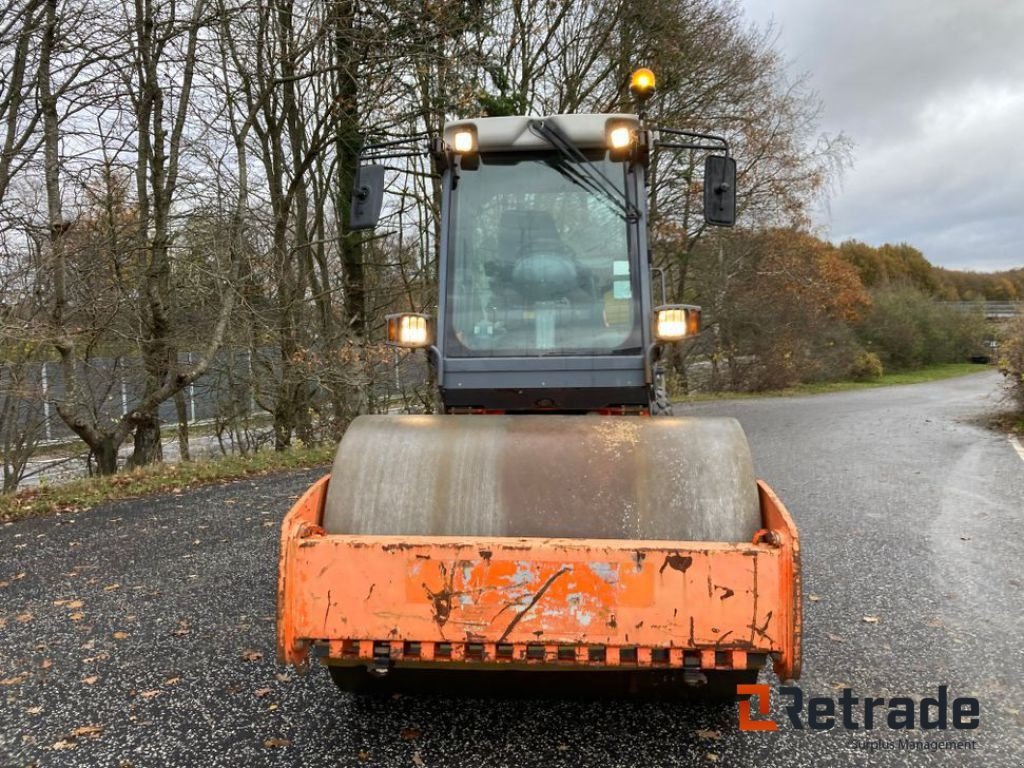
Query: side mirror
[
  {"x": 367, "y": 197},
  {"x": 720, "y": 191}
]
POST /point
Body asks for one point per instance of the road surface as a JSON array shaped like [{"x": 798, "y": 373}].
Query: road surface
[{"x": 150, "y": 623}]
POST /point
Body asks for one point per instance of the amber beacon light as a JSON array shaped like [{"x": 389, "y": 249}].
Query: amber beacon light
[{"x": 642, "y": 82}]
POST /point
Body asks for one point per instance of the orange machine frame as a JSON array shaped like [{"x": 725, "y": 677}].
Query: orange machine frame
[{"x": 571, "y": 603}]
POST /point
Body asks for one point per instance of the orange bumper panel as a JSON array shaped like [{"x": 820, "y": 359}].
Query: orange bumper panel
[{"x": 565, "y": 602}]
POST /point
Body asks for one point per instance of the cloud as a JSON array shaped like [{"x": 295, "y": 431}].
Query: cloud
[{"x": 933, "y": 95}]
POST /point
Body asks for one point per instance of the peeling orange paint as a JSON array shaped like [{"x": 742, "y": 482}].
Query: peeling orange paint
[{"x": 468, "y": 599}]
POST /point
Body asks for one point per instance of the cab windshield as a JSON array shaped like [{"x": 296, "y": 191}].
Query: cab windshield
[{"x": 540, "y": 260}]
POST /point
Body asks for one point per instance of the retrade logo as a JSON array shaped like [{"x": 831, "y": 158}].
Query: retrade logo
[
  {"x": 852, "y": 713},
  {"x": 763, "y": 693}
]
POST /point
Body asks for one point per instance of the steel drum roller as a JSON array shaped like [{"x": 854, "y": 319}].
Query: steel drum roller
[{"x": 623, "y": 477}]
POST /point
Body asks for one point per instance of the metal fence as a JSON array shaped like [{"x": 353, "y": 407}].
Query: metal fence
[
  {"x": 115, "y": 385},
  {"x": 993, "y": 310}
]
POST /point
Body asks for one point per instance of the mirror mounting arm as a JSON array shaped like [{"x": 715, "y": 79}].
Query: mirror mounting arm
[
  {"x": 368, "y": 184},
  {"x": 719, "y": 171},
  {"x": 708, "y": 142}
]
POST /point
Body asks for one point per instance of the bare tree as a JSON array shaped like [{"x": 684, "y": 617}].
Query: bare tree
[{"x": 157, "y": 165}]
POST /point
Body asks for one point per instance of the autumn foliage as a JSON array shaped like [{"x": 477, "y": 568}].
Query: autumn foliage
[
  {"x": 786, "y": 307},
  {"x": 1011, "y": 362}
]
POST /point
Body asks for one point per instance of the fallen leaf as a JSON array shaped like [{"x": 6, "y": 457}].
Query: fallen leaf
[
  {"x": 172, "y": 680},
  {"x": 111, "y": 587},
  {"x": 120, "y": 635},
  {"x": 259, "y": 693},
  {"x": 15, "y": 680},
  {"x": 91, "y": 679},
  {"x": 182, "y": 629},
  {"x": 813, "y": 598},
  {"x": 251, "y": 654},
  {"x": 45, "y": 664},
  {"x": 74, "y": 604},
  {"x": 712, "y": 757},
  {"x": 708, "y": 734},
  {"x": 935, "y": 623},
  {"x": 19, "y": 576},
  {"x": 282, "y": 677},
  {"x": 275, "y": 743},
  {"x": 870, "y": 619},
  {"x": 59, "y": 603},
  {"x": 408, "y": 734},
  {"x": 271, "y": 707},
  {"x": 24, "y": 618},
  {"x": 150, "y": 694},
  {"x": 363, "y": 755},
  {"x": 76, "y": 616},
  {"x": 34, "y": 710},
  {"x": 64, "y": 744},
  {"x": 834, "y": 638},
  {"x": 417, "y": 760},
  {"x": 92, "y": 731}
]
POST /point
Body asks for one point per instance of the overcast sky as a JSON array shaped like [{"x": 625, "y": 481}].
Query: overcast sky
[{"x": 932, "y": 93}]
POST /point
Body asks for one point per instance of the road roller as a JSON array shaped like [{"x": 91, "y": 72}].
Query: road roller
[{"x": 552, "y": 519}]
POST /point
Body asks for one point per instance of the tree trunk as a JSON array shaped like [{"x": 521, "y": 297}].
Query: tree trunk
[
  {"x": 347, "y": 145},
  {"x": 147, "y": 441},
  {"x": 180, "y": 406},
  {"x": 283, "y": 422},
  {"x": 105, "y": 453}
]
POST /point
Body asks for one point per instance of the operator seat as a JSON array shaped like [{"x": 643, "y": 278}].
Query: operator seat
[{"x": 541, "y": 266}]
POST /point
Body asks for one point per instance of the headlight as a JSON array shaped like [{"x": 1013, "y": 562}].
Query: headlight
[
  {"x": 464, "y": 142},
  {"x": 620, "y": 137},
  {"x": 409, "y": 330},
  {"x": 676, "y": 322}
]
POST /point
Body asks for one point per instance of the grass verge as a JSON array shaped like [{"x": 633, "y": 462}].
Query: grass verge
[
  {"x": 159, "y": 478},
  {"x": 921, "y": 376},
  {"x": 1006, "y": 422}
]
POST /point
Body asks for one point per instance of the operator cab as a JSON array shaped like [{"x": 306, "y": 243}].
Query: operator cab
[
  {"x": 545, "y": 300},
  {"x": 542, "y": 303}
]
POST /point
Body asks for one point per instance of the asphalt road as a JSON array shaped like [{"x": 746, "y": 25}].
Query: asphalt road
[{"x": 151, "y": 622}]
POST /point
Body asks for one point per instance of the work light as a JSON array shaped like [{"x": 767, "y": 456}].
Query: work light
[
  {"x": 620, "y": 137},
  {"x": 464, "y": 142},
  {"x": 675, "y": 322},
  {"x": 409, "y": 330}
]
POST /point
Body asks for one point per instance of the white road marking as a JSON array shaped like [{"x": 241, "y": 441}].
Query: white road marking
[{"x": 1017, "y": 446}]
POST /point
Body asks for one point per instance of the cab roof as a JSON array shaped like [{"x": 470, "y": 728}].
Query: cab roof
[{"x": 498, "y": 134}]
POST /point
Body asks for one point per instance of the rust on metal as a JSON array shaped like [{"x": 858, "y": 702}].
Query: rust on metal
[{"x": 676, "y": 561}]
